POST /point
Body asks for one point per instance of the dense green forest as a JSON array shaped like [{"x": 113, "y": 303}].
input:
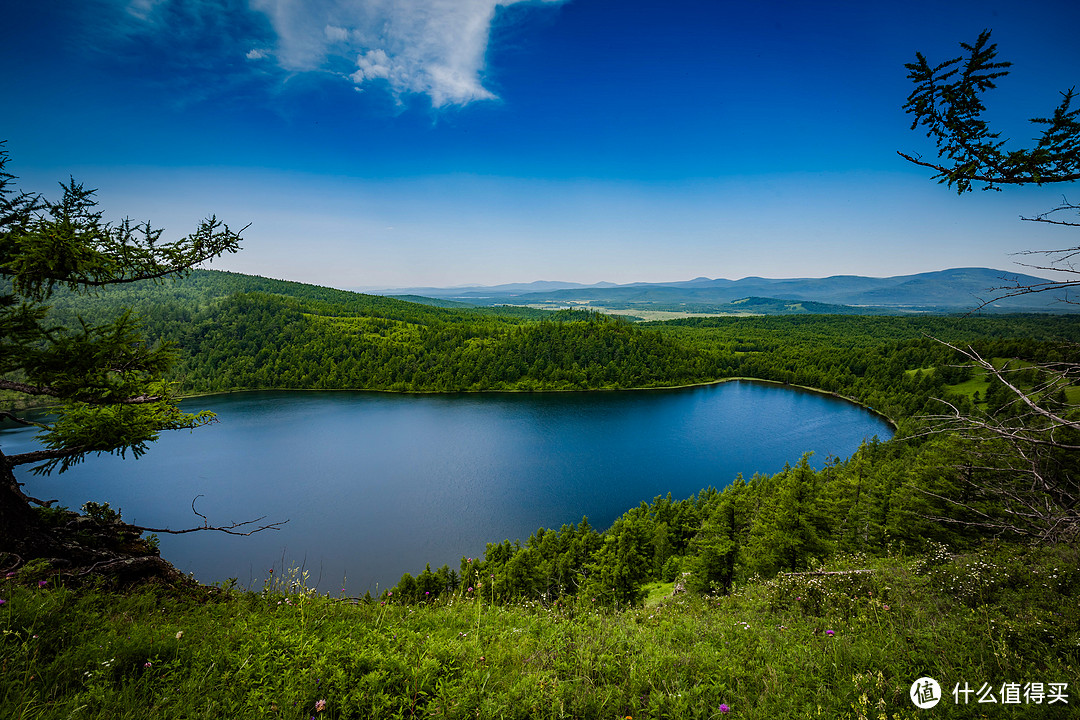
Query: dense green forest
[{"x": 236, "y": 332}]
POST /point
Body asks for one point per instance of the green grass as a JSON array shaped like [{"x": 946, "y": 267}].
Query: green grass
[
  {"x": 658, "y": 592},
  {"x": 830, "y": 646},
  {"x": 979, "y": 383}
]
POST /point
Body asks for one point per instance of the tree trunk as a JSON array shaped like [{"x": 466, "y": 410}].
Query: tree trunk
[
  {"x": 19, "y": 523},
  {"x": 75, "y": 546}
]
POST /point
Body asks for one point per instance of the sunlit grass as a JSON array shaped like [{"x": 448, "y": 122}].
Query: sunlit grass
[{"x": 828, "y": 646}]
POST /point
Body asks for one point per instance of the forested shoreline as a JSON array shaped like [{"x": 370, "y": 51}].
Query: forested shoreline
[{"x": 238, "y": 332}]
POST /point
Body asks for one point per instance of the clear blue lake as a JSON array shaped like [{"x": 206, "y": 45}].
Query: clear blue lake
[{"x": 377, "y": 484}]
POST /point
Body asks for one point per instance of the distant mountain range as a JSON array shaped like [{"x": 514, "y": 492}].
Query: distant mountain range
[{"x": 954, "y": 290}]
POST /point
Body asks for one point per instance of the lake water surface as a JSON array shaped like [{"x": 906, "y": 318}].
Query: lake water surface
[{"x": 376, "y": 484}]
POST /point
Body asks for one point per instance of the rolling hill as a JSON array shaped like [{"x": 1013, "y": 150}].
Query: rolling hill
[{"x": 947, "y": 291}]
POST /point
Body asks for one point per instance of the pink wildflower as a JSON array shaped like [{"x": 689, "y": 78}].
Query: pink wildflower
[
  {"x": 724, "y": 708},
  {"x": 320, "y": 705}
]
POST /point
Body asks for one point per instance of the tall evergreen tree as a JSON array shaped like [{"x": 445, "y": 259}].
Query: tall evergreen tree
[{"x": 102, "y": 381}]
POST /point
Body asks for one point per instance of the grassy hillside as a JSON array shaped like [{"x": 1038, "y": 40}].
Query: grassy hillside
[{"x": 846, "y": 645}]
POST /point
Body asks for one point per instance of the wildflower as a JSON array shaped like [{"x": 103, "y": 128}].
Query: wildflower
[
  {"x": 830, "y": 633},
  {"x": 179, "y": 634},
  {"x": 886, "y": 607},
  {"x": 470, "y": 589},
  {"x": 42, "y": 583},
  {"x": 320, "y": 706},
  {"x": 724, "y": 708},
  {"x": 147, "y": 664},
  {"x": 3, "y": 601}
]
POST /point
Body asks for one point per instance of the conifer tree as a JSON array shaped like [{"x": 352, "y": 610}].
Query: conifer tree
[{"x": 103, "y": 382}]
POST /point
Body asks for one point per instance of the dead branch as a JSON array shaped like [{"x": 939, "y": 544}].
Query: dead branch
[{"x": 227, "y": 529}]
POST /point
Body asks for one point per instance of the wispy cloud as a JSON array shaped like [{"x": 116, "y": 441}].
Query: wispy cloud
[
  {"x": 142, "y": 9},
  {"x": 430, "y": 47}
]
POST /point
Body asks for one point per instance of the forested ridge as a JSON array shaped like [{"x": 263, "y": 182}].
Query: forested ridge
[{"x": 234, "y": 332}]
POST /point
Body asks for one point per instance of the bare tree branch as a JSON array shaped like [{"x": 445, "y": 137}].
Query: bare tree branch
[
  {"x": 228, "y": 529},
  {"x": 1020, "y": 476},
  {"x": 42, "y": 455}
]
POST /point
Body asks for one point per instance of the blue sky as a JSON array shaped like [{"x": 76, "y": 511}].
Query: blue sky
[{"x": 391, "y": 143}]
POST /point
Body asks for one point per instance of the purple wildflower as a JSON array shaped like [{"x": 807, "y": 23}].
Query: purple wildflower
[
  {"x": 724, "y": 708},
  {"x": 830, "y": 633},
  {"x": 42, "y": 583}
]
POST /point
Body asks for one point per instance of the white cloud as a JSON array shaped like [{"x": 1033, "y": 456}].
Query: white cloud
[
  {"x": 431, "y": 47},
  {"x": 336, "y": 34},
  {"x": 142, "y": 9},
  {"x": 256, "y": 54}
]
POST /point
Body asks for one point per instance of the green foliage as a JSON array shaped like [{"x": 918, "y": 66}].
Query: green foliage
[
  {"x": 947, "y": 102},
  {"x": 831, "y": 646},
  {"x": 100, "y": 512},
  {"x": 104, "y": 377}
]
